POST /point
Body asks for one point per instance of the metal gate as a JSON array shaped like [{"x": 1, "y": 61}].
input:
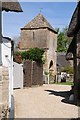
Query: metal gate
[{"x": 17, "y": 75}]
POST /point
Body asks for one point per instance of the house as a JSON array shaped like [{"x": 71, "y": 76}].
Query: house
[
  {"x": 7, "y": 51},
  {"x": 39, "y": 33},
  {"x": 73, "y": 52},
  {"x": 7, "y": 70},
  {"x": 6, "y": 60}
]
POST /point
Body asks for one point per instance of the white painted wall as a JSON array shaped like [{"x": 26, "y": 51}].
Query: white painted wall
[
  {"x": 6, "y": 53},
  {"x": 7, "y": 61}
]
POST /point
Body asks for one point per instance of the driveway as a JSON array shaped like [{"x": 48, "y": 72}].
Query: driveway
[{"x": 47, "y": 101}]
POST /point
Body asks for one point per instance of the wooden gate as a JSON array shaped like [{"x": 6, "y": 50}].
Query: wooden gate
[{"x": 17, "y": 75}]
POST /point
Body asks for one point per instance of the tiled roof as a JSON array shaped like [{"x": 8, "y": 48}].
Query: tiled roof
[
  {"x": 74, "y": 25},
  {"x": 61, "y": 60},
  {"x": 39, "y": 22},
  {"x": 11, "y": 5}
]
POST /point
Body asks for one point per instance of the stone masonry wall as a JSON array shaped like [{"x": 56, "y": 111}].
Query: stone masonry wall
[
  {"x": 41, "y": 38},
  {"x": 33, "y": 74},
  {"x": 51, "y": 52},
  {"x": 27, "y": 73},
  {"x": 33, "y": 38},
  {"x": 4, "y": 91},
  {"x": 40, "y": 75},
  {"x": 37, "y": 74}
]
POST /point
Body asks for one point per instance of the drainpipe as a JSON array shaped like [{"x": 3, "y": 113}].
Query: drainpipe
[{"x": 12, "y": 52}]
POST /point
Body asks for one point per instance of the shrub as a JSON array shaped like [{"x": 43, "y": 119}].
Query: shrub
[
  {"x": 33, "y": 54},
  {"x": 46, "y": 73},
  {"x": 67, "y": 69},
  {"x": 17, "y": 57},
  {"x": 17, "y": 53}
]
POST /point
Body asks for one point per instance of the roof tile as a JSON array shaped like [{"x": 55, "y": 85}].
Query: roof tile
[{"x": 39, "y": 22}]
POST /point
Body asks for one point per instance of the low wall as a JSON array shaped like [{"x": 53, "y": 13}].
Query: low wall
[
  {"x": 27, "y": 66},
  {"x": 33, "y": 73}
]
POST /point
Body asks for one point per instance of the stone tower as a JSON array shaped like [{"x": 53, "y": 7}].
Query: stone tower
[{"x": 39, "y": 33}]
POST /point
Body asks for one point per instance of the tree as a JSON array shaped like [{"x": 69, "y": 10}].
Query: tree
[
  {"x": 63, "y": 41},
  {"x": 68, "y": 70}
]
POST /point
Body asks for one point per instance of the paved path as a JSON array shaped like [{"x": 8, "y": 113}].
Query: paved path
[{"x": 43, "y": 102}]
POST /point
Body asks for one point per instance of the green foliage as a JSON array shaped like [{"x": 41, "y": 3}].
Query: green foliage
[
  {"x": 67, "y": 69},
  {"x": 24, "y": 55},
  {"x": 63, "y": 41},
  {"x": 65, "y": 83},
  {"x": 17, "y": 53},
  {"x": 17, "y": 57},
  {"x": 33, "y": 54},
  {"x": 46, "y": 73}
]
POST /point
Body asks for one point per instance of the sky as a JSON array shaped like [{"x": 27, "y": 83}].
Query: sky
[{"x": 58, "y": 14}]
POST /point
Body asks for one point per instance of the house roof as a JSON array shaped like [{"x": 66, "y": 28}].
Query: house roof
[
  {"x": 74, "y": 25},
  {"x": 71, "y": 49},
  {"x": 6, "y": 39},
  {"x": 61, "y": 60},
  {"x": 11, "y": 5},
  {"x": 72, "y": 46},
  {"x": 39, "y": 22}
]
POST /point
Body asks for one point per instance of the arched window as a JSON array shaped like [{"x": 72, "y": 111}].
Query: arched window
[{"x": 51, "y": 64}]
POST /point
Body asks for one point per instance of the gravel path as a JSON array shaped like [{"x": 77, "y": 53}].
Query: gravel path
[{"x": 44, "y": 102}]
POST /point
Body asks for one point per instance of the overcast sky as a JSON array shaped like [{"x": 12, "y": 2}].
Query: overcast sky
[{"x": 58, "y": 14}]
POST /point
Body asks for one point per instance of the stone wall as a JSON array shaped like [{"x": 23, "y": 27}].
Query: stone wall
[
  {"x": 27, "y": 73},
  {"x": 41, "y": 38},
  {"x": 4, "y": 91},
  {"x": 33, "y": 38},
  {"x": 50, "y": 53},
  {"x": 37, "y": 74},
  {"x": 33, "y": 74}
]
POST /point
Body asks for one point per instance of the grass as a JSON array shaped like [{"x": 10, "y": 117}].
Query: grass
[{"x": 64, "y": 83}]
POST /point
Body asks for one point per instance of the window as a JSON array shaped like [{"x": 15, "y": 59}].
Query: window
[
  {"x": 51, "y": 64},
  {"x": 33, "y": 35}
]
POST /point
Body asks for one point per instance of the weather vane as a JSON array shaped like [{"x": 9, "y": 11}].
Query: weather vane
[{"x": 40, "y": 9}]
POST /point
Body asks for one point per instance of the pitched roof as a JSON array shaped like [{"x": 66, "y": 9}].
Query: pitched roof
[
  {"x": 71, "y": 49},
  {"x": 74, "y": 25},
  {"x": 72, "y": 46},
  {"x": 38, "y": 22},
  {"x": 11, "y": 5},
  {"x": 61, "y": 60}
]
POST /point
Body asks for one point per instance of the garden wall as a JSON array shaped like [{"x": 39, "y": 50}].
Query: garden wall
[{"x": 33, "y": 74}]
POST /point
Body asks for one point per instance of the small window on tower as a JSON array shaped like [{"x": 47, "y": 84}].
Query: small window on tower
[{"x": 33, "y": 35}]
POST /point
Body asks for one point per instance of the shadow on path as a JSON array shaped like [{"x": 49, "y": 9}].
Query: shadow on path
[{"x": 64, "y": 94}]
